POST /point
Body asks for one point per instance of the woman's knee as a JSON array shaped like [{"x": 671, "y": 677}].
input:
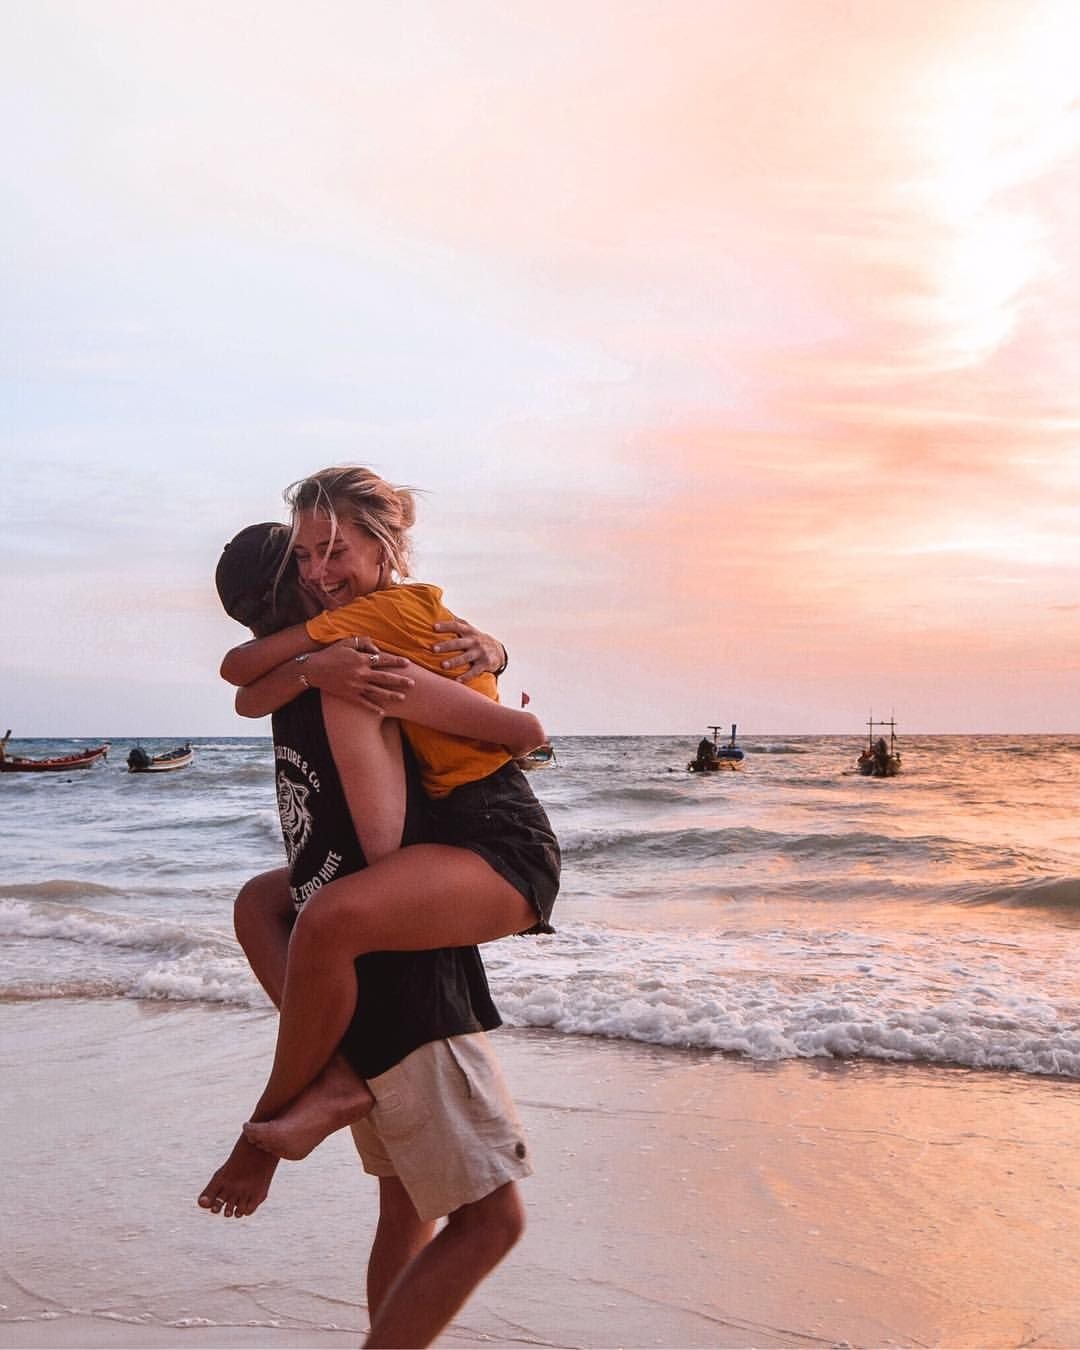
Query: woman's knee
[
  {"x": 261, "y": 901},
  {"x": 329, "y": 918}
]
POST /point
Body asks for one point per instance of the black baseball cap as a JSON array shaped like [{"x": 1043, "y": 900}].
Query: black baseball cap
[{"x": 250, "y": 571}]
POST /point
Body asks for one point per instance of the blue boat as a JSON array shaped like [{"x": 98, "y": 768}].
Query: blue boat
[
  {"x": 712, "y": 756},
  {"x": 540, "y": 758}
]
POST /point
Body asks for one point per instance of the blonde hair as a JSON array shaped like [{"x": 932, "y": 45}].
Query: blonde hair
[{"x": 360, "y": 496}]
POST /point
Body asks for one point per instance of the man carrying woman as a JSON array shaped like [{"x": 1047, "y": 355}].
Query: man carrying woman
[
  {"x": 494, "y": 868},
  {"x": 418, "y": 1025}
]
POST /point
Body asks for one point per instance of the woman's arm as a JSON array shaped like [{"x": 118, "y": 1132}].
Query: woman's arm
[
  {"x": 478, "y": 652},
  {"x": 269, "y": 677},
  {"x": 413, "y": 694},
  {"x": 343, "y": 669},
  {"x": 444, "y": 705},
  {"x": 246, "y": 663}
]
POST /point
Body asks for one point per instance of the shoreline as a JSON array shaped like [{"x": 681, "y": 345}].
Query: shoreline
[{"x": 681, "y": 1199}]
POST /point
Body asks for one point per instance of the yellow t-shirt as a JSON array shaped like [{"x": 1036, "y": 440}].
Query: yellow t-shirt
[{"x": 399, "y": 620}]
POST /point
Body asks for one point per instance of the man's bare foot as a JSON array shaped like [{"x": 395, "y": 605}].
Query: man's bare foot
[
  {"x": 336, "y": 1098},
  {"x": 239, "y": 1186}
]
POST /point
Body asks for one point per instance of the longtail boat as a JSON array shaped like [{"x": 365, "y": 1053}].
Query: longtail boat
[
  {"x": 138, "y": 761},
  {"x": 540, "y": 758},
  {"x": 878, "y": 759},
  {"x": 81, "y": 759}
]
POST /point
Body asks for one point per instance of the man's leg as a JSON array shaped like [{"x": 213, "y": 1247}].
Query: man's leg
[
  {"x": 438, "y": 1280},
  {"x": 401, "y": 1234}
]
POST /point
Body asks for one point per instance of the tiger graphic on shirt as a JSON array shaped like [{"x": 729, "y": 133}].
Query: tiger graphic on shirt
[{"x": 292, "y": 803}]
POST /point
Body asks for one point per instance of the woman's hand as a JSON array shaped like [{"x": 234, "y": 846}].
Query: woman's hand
[
  {"x": 478, "y": 652},
  {"x": 356, "y": 670}
]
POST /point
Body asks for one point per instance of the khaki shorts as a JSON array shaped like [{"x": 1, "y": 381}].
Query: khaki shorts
[{"x": 445, "y": 1125}]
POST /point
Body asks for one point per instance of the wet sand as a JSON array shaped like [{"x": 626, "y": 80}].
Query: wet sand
[{"x": 679, "y": 1201}]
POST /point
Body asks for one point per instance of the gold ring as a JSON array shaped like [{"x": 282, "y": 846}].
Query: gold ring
[
  {"x": 374, "y": 658},
  {"x": 356, "y": 643}
]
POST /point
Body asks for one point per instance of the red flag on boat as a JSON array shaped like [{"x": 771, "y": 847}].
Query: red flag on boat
[{"x": 524, "y": 698}]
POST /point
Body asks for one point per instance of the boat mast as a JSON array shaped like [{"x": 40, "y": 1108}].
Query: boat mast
[{"x": 891, "y": 724}]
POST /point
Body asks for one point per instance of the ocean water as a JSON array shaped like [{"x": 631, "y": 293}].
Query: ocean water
[{"x": 790, "y": 909}]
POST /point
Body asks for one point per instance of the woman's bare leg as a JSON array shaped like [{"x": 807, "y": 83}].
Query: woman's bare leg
[
  {"x": 373, "y": 767},
  {"x": 262, "y": 918},
  {"x": 421, "y": 897},
  {"x": 367, "y": 754}
]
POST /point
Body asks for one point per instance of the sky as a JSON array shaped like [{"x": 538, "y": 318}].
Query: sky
[{"x": 733, "y": 344}]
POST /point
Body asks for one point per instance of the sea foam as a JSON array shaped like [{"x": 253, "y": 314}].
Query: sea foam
[{"x": 787, "y": 994}]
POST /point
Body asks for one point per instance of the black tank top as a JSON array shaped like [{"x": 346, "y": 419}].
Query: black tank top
[{"x": 405, "y": 999}]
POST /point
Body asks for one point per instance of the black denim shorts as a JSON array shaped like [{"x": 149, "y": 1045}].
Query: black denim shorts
[{"x": 500, "y": 819}]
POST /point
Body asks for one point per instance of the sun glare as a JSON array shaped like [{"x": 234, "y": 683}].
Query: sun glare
[{"x": 992, "y": 126}]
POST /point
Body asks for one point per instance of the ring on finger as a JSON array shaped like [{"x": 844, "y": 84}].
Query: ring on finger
[
  {"x": 374, "y": 658},
  {"x": 356, "y": 643}
]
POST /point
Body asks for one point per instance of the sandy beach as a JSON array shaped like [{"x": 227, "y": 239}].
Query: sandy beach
[{"x": 679, "y": 1200}]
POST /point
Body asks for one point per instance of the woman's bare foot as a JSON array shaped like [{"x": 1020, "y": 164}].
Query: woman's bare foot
[
  {"x": 336, "y": 1098},
  {"x": 241, "y": 1184}
]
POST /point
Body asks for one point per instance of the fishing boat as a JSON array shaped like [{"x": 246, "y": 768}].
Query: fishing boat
[
  {"x": 712, "y": 756},
  {"x": 80, "y": 759},
  {"x": 138, "y": 761},
  {"x": 878, "y": 758},
  {"x": 540, "y": 758}
]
